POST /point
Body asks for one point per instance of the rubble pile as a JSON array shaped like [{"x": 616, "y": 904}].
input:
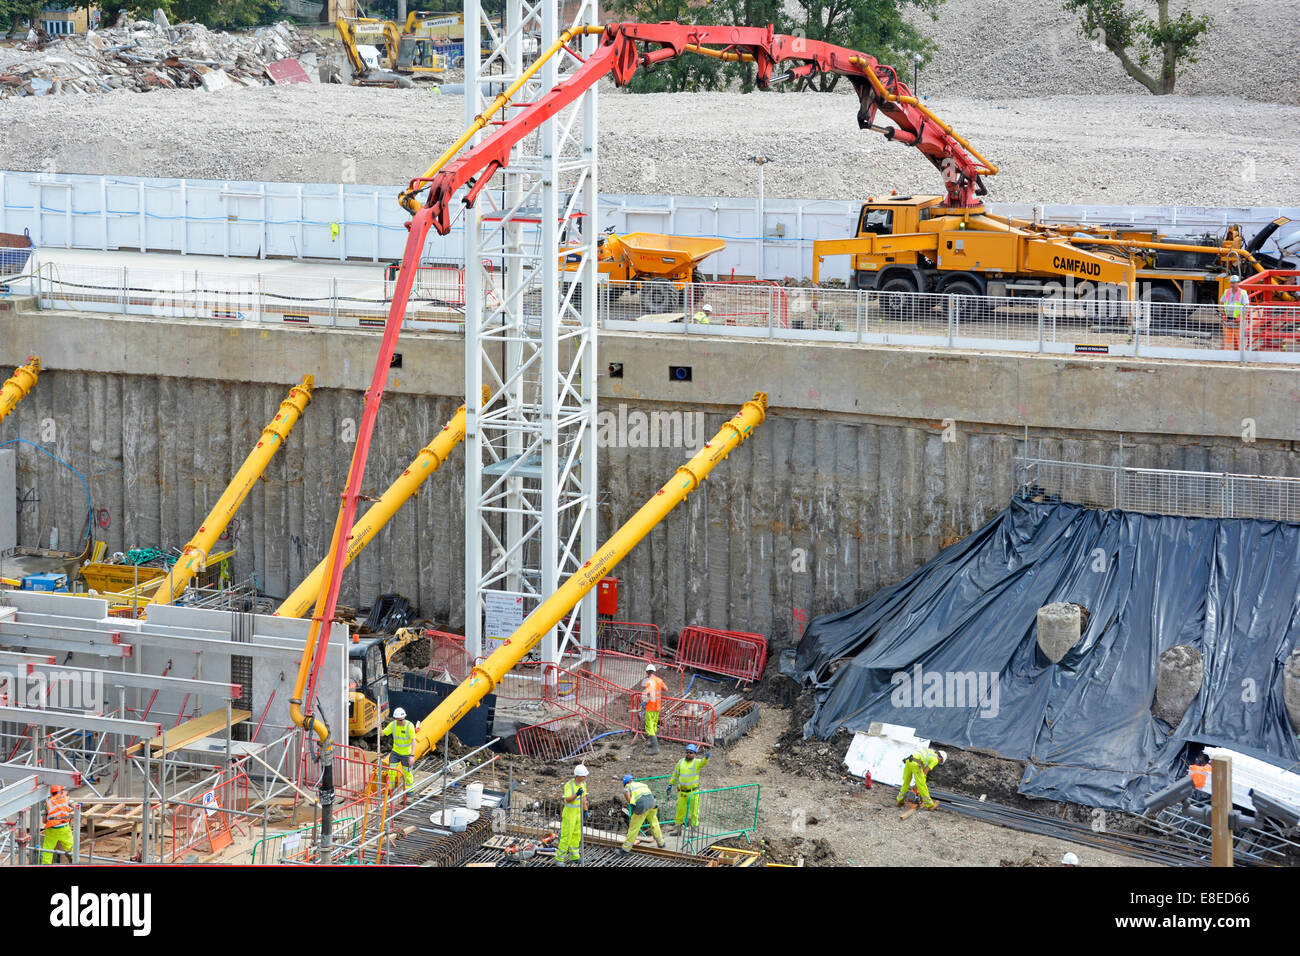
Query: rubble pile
[{"x": 142, "y": 55}]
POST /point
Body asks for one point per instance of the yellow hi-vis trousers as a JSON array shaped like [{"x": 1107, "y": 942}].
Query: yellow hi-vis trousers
[
  {"x": 652, "y": 723},
  {"x": 688, "y": 803},
  {"x": 566, "y": 851},
  {"x": 634, "y": 827},
  {"x": 55, "y": 836},
  {"x": 404, "y": 761},
  {"x": 912, "y": 771}
]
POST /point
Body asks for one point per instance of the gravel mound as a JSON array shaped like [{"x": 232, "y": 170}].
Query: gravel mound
[
  {"x": 993, "y": 49},
  {"x": 1132, "y": 148}
]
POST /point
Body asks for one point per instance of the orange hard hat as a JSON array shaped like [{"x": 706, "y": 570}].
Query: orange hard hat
[{"x": 56, "y": 788}]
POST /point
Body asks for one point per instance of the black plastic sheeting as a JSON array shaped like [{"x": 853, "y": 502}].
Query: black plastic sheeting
[{"x": 1228, "y": 587}]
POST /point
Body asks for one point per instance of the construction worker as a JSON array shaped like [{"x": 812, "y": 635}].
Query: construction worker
[
  {"x": 1234, "y": 303},
  {"x": 642, "y": 807},
  {"x": 651, "y": 698},
  {"x": 1200, "y": 771},
  {"x": 58, "y": 814},
  {"x": 571, "y": 817},
  {"x": 686, "y": 780},
  {"x": 916, "y": 768},
  {"x": 702, "y": 314},
  {"x": 403, "y": 734}
]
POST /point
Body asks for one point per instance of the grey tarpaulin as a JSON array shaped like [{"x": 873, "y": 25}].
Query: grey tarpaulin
[{"x": 1229, "y": 587}]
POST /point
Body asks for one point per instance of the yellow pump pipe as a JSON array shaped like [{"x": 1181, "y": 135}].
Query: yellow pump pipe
[
  {"x": 485, "y": 676},
  {"x": 19, "y": 384},
  {"x": 195, "y": 554},
  {"x": 429, "y": 460}
]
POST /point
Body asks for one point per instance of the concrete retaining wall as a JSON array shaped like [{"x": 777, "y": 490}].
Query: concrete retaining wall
[{"x": 854, "y": 481}]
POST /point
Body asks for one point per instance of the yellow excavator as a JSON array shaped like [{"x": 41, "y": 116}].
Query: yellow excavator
[
  {"x": 399, "y": 56},
  {"x": 368, "y": 661}
]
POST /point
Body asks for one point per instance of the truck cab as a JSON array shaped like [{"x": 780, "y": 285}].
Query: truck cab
[{"x": 367, "y": 686}]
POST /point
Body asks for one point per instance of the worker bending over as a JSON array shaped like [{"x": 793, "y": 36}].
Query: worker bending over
[
  {"x": 642, "y": 807},
  {"x": 652, "y": 698},
  {"x": 571, "y": 817},
  {"x": 58, "y": 813},
  {"x": 403, "y": 734},
  {"x": 916, "y": 768},
  {"x": 686, "y": 779}
]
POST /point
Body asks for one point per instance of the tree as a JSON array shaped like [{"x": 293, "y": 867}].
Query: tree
[
  {"x": 686, "y": 73},
  {"x": 876, "y": 27},
  {"x": 1137, "y": 39}
]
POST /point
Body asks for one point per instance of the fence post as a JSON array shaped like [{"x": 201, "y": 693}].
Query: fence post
[
  {"x": 196, "y": 293},
  {"x": 771, "y": 306},
  {"x": 334, "y": 301},
  {"x": 861, "y": 312},
  {"x": 1135, "y": 316},
  {"x": 259, "y": 298},
  {"x": 952, "y": 318},
  {"x": 124, "y": 290},
  {"x": 1041, "y": 309}
]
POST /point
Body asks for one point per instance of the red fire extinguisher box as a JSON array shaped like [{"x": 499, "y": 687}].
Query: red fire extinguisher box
[{"x": 607, "y": 597}]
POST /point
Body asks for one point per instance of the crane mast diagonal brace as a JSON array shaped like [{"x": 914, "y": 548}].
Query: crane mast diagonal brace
[{"x": 878, "y": 87}]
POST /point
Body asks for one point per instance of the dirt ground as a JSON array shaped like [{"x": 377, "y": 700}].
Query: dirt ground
[{"x": 811, "y": 809}]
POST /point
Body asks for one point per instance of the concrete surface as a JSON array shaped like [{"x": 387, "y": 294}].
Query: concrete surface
[
  {"x": 849, "y": 486},
  {"x": 1059, "y": 627}
]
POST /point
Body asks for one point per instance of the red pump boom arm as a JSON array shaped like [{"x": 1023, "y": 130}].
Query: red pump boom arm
[{"x": 878, "y": 87}]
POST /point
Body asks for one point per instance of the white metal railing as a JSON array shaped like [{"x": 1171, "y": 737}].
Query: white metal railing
[
  {"x": 1160, "y": 491},
  {"x": 739, "y": 309}
]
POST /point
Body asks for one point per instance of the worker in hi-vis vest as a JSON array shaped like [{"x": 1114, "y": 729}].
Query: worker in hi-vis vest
[
  {"x": 686, "y": 780},
  {"x": 58, "y": 813},
  {"x": 651, "y": 700},
  {"x": 641, "y": 805},
  {"x": 403, "y": 733},
  {"x": 568, "y": 850},
  {"x": 916, "y": 768},
  {"x": 1234, "y": 303}
]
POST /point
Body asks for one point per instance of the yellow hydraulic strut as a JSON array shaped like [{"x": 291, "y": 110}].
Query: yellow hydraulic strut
[
  {"x": 195, "y": 555},
  {"x": 429, "y": 460},
  {"x": 488, "y": 674},
  {"x": 19, "y": 384}
]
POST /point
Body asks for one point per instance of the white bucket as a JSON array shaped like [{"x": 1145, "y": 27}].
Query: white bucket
[
  {"x": 456, "y": 820},
  {"x": 474, "y": 796}
]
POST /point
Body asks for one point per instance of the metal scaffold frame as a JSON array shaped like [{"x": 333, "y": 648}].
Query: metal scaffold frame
[{"x": 530, "y": 456}]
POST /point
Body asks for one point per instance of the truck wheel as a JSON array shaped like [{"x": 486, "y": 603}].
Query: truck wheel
[
  {"x": 1163, "y": 318},
  {"x": 895, "y": 303},
  {"x": 658, "y": 295},
  {"x": 961, "y": 287}
]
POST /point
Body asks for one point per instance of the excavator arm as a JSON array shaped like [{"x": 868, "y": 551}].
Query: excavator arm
[{"x": 626, "y": 47}]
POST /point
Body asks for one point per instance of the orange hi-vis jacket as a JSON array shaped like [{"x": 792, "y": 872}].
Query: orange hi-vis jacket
[
  {"x": 1200, "y": 774},
  {"x": 654, "y": 692},
  {"x": 57, "y": 811}
]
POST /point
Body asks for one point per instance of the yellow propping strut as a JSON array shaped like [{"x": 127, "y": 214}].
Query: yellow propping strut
[
  {"x": 485, "y": 676},
  {"x": 407, "y": 197},
  {"x": 19, "y": 384},
  {"x": 429, "y": 460},
  {"x": 194, "y": 557}
]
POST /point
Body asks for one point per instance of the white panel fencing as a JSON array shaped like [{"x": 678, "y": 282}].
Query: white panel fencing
[{"x": 360, "y": 222}]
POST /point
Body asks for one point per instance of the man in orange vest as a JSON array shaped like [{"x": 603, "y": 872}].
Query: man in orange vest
[
  {"x": 58, "y": 813},
  {"x": 652, "y": 698},
  {"x": 1200, "y": 771}
]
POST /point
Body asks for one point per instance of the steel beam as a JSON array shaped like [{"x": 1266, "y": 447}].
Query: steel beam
[
  {"x": 14, "y": 772},
  {"x": 16, "y": 657},
  {"x": 89, "y": 638},
  {"x": 20, "y": 796},
  {"x": 75, "y": 721},
  {"x": 147, "y": 681}
]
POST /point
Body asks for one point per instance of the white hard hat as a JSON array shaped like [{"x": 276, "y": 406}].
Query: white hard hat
[
  {"x": 707, "y": 307},
  {"x": 580, "y": 770},
  {"x": 650, "y": 668},
  {"x": 1069, "y": 860},
  {"x": 399, "y": 714},
  {"x": 943, "y": 756},
  {"x": 1234, "y": 278}
]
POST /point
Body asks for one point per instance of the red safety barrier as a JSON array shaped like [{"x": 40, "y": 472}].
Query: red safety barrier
[
  {"x": 730, "y": 653},
  {"x": 689, "y": 721},
  {"x": 629, "y": 637},
  {"x": 610, "y": 707},
  {"x": 447, "y": 654},
  {"x": 555, "y": 739},
  {"x": 190, "y": 825},
  {"x": 628, "y": 671}
]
